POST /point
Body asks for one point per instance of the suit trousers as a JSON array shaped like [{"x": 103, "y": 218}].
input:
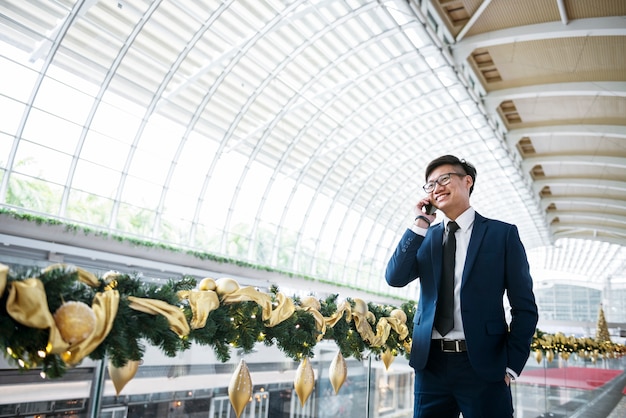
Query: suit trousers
[{"x": 448, "y": 386}]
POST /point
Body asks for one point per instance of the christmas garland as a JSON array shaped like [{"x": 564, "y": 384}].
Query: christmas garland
[
  {"x": 37, "y": 332},
  {"x": 549, "y": 346},
  {"x": 53, "y": 318}
]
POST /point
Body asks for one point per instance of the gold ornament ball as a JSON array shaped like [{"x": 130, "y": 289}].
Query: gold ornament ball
[
  {"x": 226, "y": 286},
  {"x": 75, "y": 321},
  {"x": 207, "y": 284}
]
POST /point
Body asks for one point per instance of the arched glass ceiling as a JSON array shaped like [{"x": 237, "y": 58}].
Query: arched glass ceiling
[{"x": 292, "y": 134}]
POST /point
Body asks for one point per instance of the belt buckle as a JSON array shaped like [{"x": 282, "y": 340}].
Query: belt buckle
[{"x": 456, "y": 349}]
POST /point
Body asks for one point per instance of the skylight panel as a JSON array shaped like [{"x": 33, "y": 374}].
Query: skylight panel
[{"x": 42, "y": 162}]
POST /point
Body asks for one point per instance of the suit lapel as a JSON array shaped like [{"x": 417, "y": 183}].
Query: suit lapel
[{"x": 478, "y": 233}]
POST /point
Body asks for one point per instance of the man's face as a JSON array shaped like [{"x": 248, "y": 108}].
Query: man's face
[{"x": 453, "y": 197}]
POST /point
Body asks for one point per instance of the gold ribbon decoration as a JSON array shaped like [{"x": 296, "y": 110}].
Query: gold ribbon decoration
[
  {"x": 397, "y": 319},
  {"x": 283, "y": 310},
  {"x": 360, "y": 316},
  {"x": 246, "y": 294},
  {"x": 311, "y": 302},
  {"x": 202, "y": 303},
  {"x": 383, "y": 329},
  {"x": 343, "y": 309},
  {"x": 4, "y": 272},
  {"x": 104, "y": 306},
  {"x": 174, "y": 315},
  {"x": 84, "y": 276},
  {"x": 311, "y": 305},
  {"x": 320, "y": 323},
  {"x": 28, "y": 305}
]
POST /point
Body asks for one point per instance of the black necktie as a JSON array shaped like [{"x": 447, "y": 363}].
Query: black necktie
[{"x": 444, "y": 317}]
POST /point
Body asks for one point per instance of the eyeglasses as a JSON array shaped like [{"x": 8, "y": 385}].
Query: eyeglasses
[{"x": 442, "y": 180}]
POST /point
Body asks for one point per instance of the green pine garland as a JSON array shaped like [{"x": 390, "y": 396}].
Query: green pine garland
[{"x": 237, "y": 325}]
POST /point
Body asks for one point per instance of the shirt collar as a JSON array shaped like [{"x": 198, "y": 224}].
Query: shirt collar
[{"x": 464, "y": 220}]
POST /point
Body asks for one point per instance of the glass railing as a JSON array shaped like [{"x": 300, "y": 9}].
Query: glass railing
[
  {"x": 581, "y": 386},
  {"x": 195, "y": 384}
]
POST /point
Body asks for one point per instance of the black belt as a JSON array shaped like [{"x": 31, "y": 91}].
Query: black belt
[{"x": 450, "y": 346}]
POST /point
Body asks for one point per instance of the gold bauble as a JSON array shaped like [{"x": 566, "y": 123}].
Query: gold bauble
[
  {"x": 207, "y": 284},
  {"x": 226, "y": 286},
  {"x": 304, "y": 382},
  {"x": 120, "y": 376},
  {"x": 399, "y": 314},
  {"x": 75, "y": 321},
  {"x": 240, "y": 388},
  {"x": 337, "y": 372},
  {"x": 538, "y": 356},
  {"x": 550, "y": 356},
  {"x": 387, "y": 358},
  {"x": 311, "y": 302},
  {"x": 565, "y": 355},
  {"x": 360, "y": 306}
]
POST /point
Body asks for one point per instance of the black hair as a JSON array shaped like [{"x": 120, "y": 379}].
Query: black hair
[{"x": 467, "y": 168}]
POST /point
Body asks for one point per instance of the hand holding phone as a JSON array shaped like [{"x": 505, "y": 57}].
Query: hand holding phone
[{"x": 430, "y": 209}]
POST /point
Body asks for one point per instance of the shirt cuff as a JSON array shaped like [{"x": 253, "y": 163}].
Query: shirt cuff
[
  {"x": 418, "y": 230},
  {"x": 511, "y": 374}
]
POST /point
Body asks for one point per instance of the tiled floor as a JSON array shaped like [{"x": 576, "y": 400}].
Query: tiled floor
[{"x": 620, "y": 409}]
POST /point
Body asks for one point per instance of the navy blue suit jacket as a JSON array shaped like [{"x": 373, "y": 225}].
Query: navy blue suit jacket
[{"x": 496, "y": 263}]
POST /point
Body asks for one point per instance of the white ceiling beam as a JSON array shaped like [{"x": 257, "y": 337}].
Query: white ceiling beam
[
  {"x": 594, "y": 160},
  {"x": 586, "y": 200},
  {"x": 477, "y": 14},
  {"x": 562, "y": 11},
  {"x": 589, "y": 231},
  {"x": 513, "y": 136},
  {"x": 591, "y": 216},
  {"x": 616, "y": 131},
  {"x": 617, "y": 185},
  {"x": 591, "y": 88},
  {"x": 599, "y": 26}
]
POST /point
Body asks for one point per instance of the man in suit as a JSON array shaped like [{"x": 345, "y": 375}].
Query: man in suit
[{"x": 464, "y": 359}]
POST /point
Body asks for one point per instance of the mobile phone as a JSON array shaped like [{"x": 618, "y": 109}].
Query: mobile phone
[{"x": 430, "y": 209}]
